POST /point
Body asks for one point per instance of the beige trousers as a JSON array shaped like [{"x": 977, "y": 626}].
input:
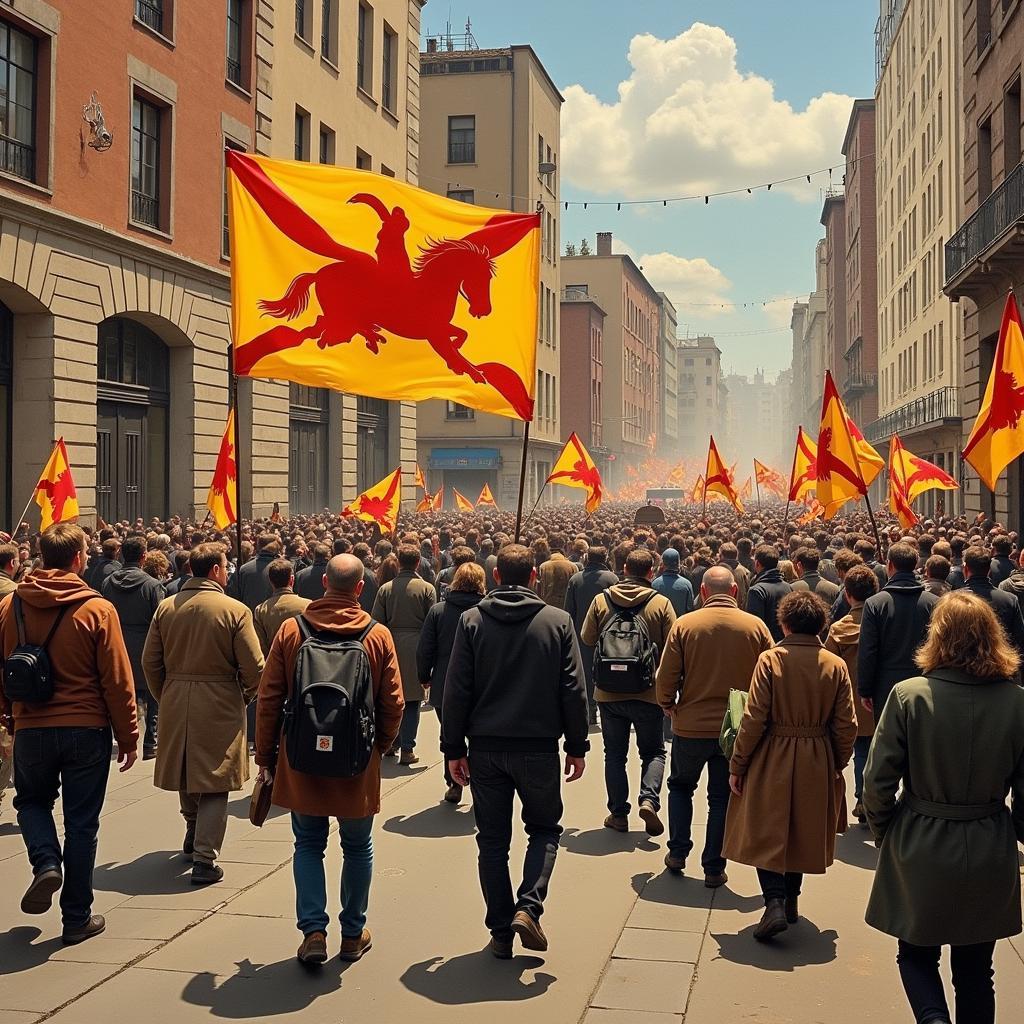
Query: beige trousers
[{"x": 207, "y": 813}]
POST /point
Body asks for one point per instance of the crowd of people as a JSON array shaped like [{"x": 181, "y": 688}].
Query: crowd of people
[{"x": 314, "y": 649}]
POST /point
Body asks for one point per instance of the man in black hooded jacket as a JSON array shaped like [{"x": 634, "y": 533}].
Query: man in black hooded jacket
[
  {"x": 514, "y": 687},
  {"x": 767, "y": 589}
]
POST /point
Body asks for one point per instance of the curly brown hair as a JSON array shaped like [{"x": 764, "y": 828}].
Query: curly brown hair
[
  {"x": 803, "y": 612},
  {"x": 965, "y": 634}
]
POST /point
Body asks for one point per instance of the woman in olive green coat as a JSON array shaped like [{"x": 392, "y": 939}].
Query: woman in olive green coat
[{"x": 948, "y": 871}]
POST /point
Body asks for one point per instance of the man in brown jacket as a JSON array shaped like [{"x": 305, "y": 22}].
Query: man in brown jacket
[
  {"x": 203, "y": 662},
  {"x": 282, "y": 604},
  {"x": 314, "y": 800},
  {"x": 554, "y": 574},
  {"x": 619, "y": 711},
  {"x": 65, "y": 743},
  {"x": 709, "y": 652}
]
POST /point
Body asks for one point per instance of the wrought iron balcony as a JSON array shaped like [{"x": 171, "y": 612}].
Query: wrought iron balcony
[
  {"x": 939, "y": 407},
  {"x": 858, "y": 383},
  {"x": 992, "y": 235},
  {"x": 17, "y": 158},
  {"x": 150, "y": 13}
]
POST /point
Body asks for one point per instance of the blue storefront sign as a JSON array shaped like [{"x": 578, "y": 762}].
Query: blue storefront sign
[{"x": 465, "y": 458}]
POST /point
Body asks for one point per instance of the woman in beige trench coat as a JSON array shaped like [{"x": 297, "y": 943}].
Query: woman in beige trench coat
[{"x": 795, "y": 739}]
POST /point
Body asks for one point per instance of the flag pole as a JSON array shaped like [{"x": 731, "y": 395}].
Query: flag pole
[
  {"x": 238, "y": 459},
  {"x": 522, "y": 479},
  {"x": 874, "y": 525},
  {"x": 21, "y": 518},
  {"x": 757, "y": 485},
  {"x": 534, "y": 509}
]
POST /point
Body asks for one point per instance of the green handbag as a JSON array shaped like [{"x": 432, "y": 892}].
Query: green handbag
[{"x": 731, "y": 723}]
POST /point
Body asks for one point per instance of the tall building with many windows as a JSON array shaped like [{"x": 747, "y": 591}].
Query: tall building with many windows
[
  {"x": 919, "y": 170},
  {"x": 489, "y": 134},
  {"x": 668, "y": 380},
  {"x": 113, "y": 271},
  {"x": 701, "y": 395}
]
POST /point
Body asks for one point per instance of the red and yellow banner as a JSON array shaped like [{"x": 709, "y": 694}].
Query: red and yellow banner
[
  {"x": 462, "y": 503},
  {"x": 839, "y": 477},
  {"x": 380, "y": 503},
  {"x": 697, "y": 494},
  {"x": 55, "y": 493},
  {"x": 486, "y": 497},
  {"x": 426, "y": 504},
  {"x": 438, "y": 503},
  {"x": 719, "y": 480},
  {"x": 804, "y": 474},
  {"x": 223, "y": 497},
  {"x": 421, "y": 480},
  {"x": 575, "y": 468},
  {"x": 770, "y": 479},
  {"x": 899, "y": 502},
  {"x": 358, "y": 282}
]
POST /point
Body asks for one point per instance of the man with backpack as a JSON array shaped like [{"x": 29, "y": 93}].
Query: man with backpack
[
  {"x": 628, "y": 625},
  {"x": 330, "y": 705},
  {"x": 514, "y": 687},
  {"x": 64, "y": 695}
]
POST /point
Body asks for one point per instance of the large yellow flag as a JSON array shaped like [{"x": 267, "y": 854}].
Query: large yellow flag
[
  {"x": 920, "y": 475},
  {"x": 718, "y": 479},
  {"x": 462, "y": 503},
  {"x": 997, "y": 437},
  {"x": 870, "y": 462},
  {"x": 839, "y": 478},
  {"x": 486, "y": 497},
  {"x": 899, "y": 501},
  {"x": 380, "y": 503},
  {"x": 55, "y": 493},
  {"x": 222, "y": 499},
  {"x": 358, "y": 282},
  {"x": 804, "y": 474},
  {"x": 575, "y": 468}
]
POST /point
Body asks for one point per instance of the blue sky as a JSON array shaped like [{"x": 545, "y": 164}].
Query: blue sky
[{"x": 788, "y": 52}]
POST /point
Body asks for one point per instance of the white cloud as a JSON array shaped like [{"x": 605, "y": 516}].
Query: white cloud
[
  {"x": 779, "y": 312},
  {"x": 687, "y": 280},
  {"x": 689, "y": 121}
]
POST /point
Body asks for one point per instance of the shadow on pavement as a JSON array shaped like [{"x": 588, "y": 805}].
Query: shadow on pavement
[
  {"x": 391, "y": 769},
  {"x": 681, "y": 891},
  {"x": 239, "y": 808},
  {"x": 20, "y": 952},
  {"x": 856, "y": 847},
  {"x": 159, "y": 873},
  {"x": 801, "y": 945},
  {"x": 438, "y": 822},
  {"x": 599, "y": 842},
  {"x": 476, "y": 978},
  {"x": 8, "y": 828},
  {"x": 259, "y": 991}
]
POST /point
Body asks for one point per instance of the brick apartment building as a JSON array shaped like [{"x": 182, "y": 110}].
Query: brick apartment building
[{"x": 582, "y": 337}]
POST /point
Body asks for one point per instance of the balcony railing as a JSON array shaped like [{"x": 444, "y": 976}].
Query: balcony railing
[
  {"x": 937, "y": 407},
  {"x": 234, "y": 71},
  {"x": 145, "y": 209},
  {"x": 461, "y": 152},
  {"x": 995, "y": 216},
  {"x": 17, "y": 158},
  {"x": 150, "y": 13},
  {"x": 859, "y": 381}
]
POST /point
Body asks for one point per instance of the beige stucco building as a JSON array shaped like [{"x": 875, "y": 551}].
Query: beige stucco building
[
  {"x": 809, "y": 324},
  {"x": 489, "y": 134},
  {"x": 919, "y": 172},
  {"x": 702, "y": 395}
]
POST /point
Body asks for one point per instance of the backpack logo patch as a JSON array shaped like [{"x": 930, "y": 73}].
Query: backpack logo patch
[{"x": 325, "y": 743}]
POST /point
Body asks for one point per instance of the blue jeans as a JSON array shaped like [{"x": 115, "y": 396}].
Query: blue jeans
[
  {"x": 311, "y": 883},
  {"x": 689, "y": 756},
  {"x": 410, "y": 725},
  {"x": 78, "y": 759},
  {"x": 861, "y": 746},
  {"x": 647, "y": 719}
]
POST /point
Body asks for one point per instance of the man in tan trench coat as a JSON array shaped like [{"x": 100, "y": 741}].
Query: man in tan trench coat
[{"x": 202, "y": 662}]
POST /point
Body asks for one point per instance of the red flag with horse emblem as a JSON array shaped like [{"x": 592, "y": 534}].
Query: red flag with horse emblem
[
  {"x": 55, "y": 493},
  {"x": 575, "y": 468},
  {"x": 358, "y": 282}
]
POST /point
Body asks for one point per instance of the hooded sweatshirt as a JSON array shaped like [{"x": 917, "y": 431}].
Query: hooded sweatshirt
[
  {"x": 515, "y": 680},
  {"x": 93, "y": 676},
  {"x": 135, "y": 596}
]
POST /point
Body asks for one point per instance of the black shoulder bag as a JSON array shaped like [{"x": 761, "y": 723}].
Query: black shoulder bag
[{"x": 28, "y": 674}]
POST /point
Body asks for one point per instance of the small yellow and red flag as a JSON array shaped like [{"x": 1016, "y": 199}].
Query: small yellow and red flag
[
  {"x": 997, "y": 437},
  {"x": 804, "y": 473},
  {"x": 55, "y": 493},
  {"x": 676, "y": 475},
  {"x": 922, "y": 475},
  {"x": 575, "y": 468},
  {"x": 462, "y": 503},
  {"x": 486, "y": 498},
  {"x": 769, "y": 478},
  {"x": 838, "y": 471},
  {"x": 223, "y": 497},
  {"x": 697, "y": 494},
  {"x": 438, "y": 503},
  {"x": 815, "y": 510},
  {"x": 421, "y": 480},
  {"x": 426, "y": 504},
  {"x": 381, "y": 288},
  {"x": 899, "y": 500},
  {"x": 718, "y": 479},
  {"x": 380, "y": 503},
  {"x": 747, "y": 490}
]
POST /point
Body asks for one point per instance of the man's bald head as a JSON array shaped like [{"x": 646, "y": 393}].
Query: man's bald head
[
  {"x": 718, "y": 580},
  {"x": 344, "y": 573}
]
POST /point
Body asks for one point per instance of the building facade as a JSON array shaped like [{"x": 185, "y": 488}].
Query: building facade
[
  {"x": 984, "y": 255},
  {"x": 919, "y": 169},
  {"x": 833, "y": 218},
  {"x": 809, "y": 324},
  {"x": 702, "y": 395},
  {"x": 489, "y": 134},
  {"x": 582, "y": 345},
  {"x": 757, "y": 422},
  {"x": 668, "y": 377},
  {"x": 631, "y": 342}
]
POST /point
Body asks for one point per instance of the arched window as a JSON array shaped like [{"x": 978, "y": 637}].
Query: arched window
[{"x": 133, "y": 395}]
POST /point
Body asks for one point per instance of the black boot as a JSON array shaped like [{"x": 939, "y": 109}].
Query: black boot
[{"x": 772, "y": 922}]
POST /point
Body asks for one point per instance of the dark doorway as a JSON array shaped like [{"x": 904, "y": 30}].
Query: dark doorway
[
  {"x": 372, "y": 441},
  {"x": 133, "y": 395},
  {"x": 308, "y": 416}
]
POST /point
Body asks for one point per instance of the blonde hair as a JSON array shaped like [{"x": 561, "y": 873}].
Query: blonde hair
[
  {"x": 965, "y": 634},
  {"x": 469, "y": 578},
  {"x": 787, "y": 570}
]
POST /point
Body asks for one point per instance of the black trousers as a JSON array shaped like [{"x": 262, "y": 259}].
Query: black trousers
[
  {"x": 495, "y": 778},
  {"x": 447, "y": 774},
  {"x": 972, "y": 982},
  {"x": 776, "y": 886}
]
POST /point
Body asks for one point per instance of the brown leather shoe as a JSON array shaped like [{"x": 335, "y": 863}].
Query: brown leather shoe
[
  {"x": 39, "y": 895},
  {"x": 454, "y": 794},
  {"x": 858, "y": 813},
  {"x": 94, "y": 926},
  {"x": 617, "y": 822},
  {"x": 792, "y": 909},
  {"x": 313, "y": 949},
  {"x": 501, "y": 949},
  {"x": 649, "y": 816},
  {"x": 408, "y": 757},
  {"x": 674, "y": 863},
  {"x": 772, "y": 922},
  {"x": 353, "y": 949},
  {"x": 530, "y": 933},
  {"x": 715, "y": 881}
]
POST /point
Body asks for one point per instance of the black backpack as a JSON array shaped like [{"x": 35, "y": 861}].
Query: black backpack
[
  {"x": 329, "y": 726},
  {"x": 28, "y": 674},
  {"x": 625, "y": 658}
]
